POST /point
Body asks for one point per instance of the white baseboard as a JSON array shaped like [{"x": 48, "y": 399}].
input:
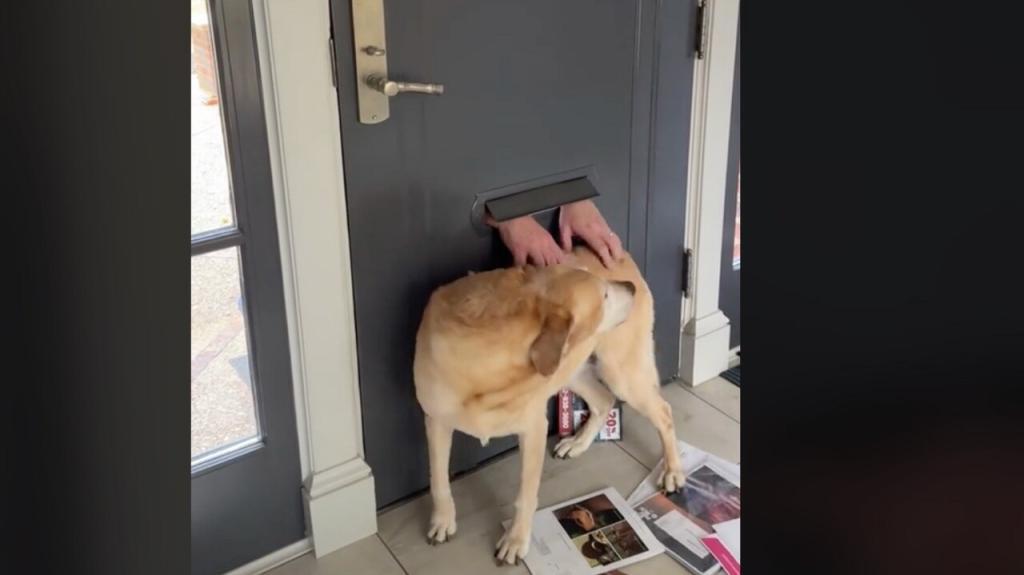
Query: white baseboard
[
  {"x": 704, "y": 349},
  {"x": 275, "y": 559},
  {"x": 340, "y": 506}
]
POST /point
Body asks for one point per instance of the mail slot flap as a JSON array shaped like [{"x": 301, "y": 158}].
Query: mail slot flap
[
  {"x": 534, "y": 197},
  {"x": 540, "y": 199}
]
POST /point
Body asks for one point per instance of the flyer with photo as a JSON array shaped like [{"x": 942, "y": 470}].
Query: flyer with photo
[
  {"x": 692, "y": 458},
  {"x": 681, "y": 520},
  {"x": 590, "y": 535}
]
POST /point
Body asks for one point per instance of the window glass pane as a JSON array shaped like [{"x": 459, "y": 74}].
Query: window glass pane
[
  {"x": 223, "y": 408},
  {"x": 736, "y": 236},
  {"x": 211, "y": 190}
]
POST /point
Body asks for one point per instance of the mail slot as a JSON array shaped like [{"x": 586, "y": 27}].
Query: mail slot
[{"x": 533, "y": 197}]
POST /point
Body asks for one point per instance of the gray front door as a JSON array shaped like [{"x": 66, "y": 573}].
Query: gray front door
[{"x": 533, "y": 88}]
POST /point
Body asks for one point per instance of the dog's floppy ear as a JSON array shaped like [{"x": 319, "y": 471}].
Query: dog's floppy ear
[{"x": 546, "y": 350}]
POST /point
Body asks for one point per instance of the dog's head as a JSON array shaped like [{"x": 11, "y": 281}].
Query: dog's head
[{"x": 574, "y": 306}]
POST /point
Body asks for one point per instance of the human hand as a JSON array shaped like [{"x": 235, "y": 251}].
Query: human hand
[
  {"x": 527, "y": 240},
  {"x": 582, "y": 219}
]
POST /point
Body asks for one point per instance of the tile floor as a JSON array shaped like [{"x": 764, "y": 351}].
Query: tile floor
[{"x": 707, "y": 417}]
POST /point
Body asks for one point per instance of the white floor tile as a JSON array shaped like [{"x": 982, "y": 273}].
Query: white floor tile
[
  {"x": 697, "y": 423},
  {"x": 721, "y": 394},
  {"x": 484, "y": 498},
  {"x": 367, "y": 555}
]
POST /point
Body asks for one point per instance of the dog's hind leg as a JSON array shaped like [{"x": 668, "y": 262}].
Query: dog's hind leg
[
  {"x": 439, "y": 447},
  {"x": 599, "y": 403},
  {"x": 641, "y": 389}
]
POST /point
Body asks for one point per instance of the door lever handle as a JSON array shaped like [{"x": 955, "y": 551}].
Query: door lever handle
[{"x": 393, "y": 88}]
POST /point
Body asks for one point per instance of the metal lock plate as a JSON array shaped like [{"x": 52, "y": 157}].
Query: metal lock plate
[{"x": 370, "y": 58}]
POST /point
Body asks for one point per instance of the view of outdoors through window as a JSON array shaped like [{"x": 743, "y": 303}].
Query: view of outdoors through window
[
  {"x": 736, "y": 236},
  {"x": 223, "y": 409}
]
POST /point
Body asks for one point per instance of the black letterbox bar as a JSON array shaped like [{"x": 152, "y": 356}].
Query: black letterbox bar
[{"x": 540, "y": 199}]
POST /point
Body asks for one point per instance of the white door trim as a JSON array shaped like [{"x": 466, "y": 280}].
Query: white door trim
[
  {"x": 305, "y": 140},
  {"x": 704, "y": 344}
]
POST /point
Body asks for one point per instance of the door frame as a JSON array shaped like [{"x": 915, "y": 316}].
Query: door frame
[
  {"x": 293, "y": 37},
  {"x": 729, "y": 290},
  {"x": 705, "y": 349}
]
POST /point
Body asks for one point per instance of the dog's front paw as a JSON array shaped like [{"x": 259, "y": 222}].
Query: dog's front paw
[
  {"x": 572, "y": 446},
  {"x": 672, "y": 480},
  {"x": 442, "y": 524},
  {"x": 513, "y": 546}
]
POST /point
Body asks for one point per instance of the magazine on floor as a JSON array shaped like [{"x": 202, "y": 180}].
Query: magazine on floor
[
  {"x": 728, "y": 562},
  {"x": 573, "y": 413},
  {"x": 593, "y": 534},
  {"x": 729, "y": 534},
  {"x": 708, "y": 502}
]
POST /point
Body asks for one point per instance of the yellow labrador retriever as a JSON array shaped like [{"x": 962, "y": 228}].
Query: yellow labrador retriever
[{"x": 493, "y": 347}]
